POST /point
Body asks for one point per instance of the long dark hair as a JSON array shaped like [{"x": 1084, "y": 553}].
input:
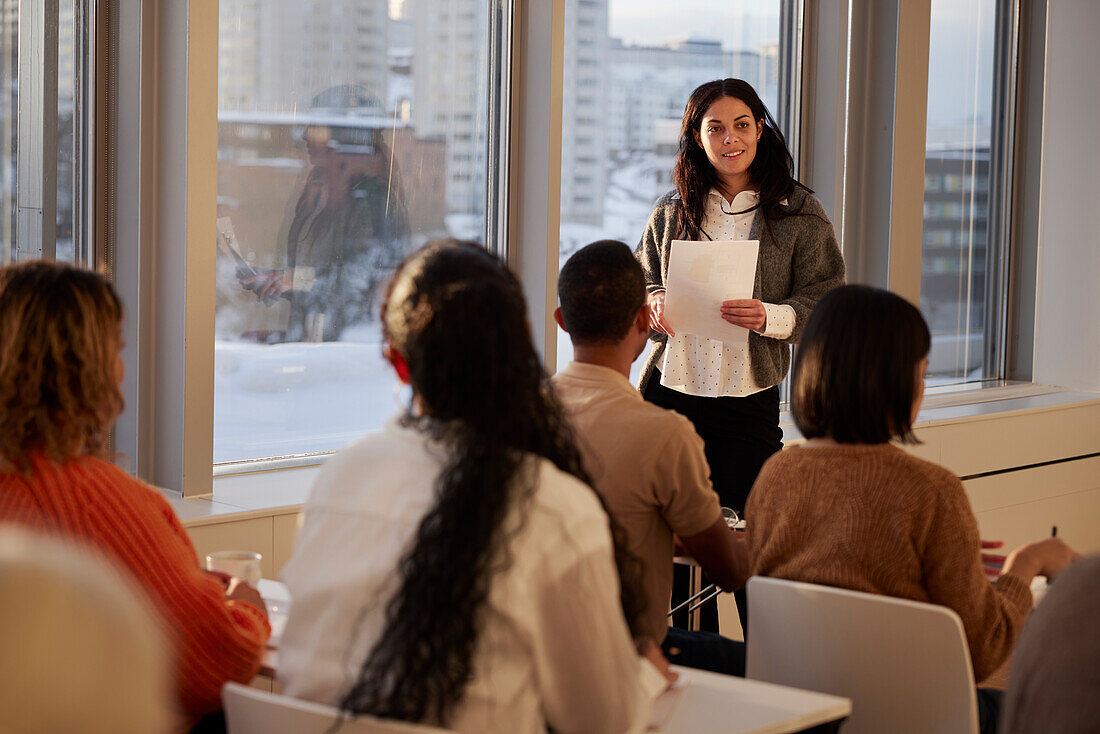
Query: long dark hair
[
  {"x": 772, "y": 169},
  {"x": 457, "y": 317}
]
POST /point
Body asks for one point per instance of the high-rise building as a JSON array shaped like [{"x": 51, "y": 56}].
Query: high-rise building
[
  {"x": 651, "y": 84},
  {"x": 283, "y": 56},
  {"x": 953, "y": 261},
  {"x": 449, "y": 91},
  {"x": 585, "y": 112},
  {"x": 448, "y": 64}
]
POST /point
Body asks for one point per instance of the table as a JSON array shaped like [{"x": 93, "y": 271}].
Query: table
[
  {"x": 706, "y": 703},
  {"x": 722, "y": 704}
]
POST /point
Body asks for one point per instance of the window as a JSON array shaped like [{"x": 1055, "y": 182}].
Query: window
[
  {"x": 625, "y": 97},
  {"x": 956, "y": 253},
  {"x": 270, "y": 407},
  {"x": 44, "y": 125},
  {"x": 358, "y": 165},
  {"x": 9, "y": 108}
]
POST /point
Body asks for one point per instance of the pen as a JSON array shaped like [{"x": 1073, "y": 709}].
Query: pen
[{"x": 1054, "y": 531}]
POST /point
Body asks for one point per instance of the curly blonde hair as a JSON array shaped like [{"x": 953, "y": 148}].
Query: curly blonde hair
[{"x": 60, "y": 336}]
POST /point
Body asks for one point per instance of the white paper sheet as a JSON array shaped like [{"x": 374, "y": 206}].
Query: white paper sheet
[{"x": 700, "y": 276}]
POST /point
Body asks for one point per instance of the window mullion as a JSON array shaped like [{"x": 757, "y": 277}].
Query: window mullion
[
  {"x": 36, "y": 197},
  {"x": 500, "y": 34},
  {"x": 1002, "y": 163}
]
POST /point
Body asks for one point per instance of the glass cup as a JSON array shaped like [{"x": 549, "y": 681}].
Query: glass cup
[
  {"x": 730, "y": 516},
  {"x": 244, "y": 565}
]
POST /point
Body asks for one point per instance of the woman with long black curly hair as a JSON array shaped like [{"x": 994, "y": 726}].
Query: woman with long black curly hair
[{"x": 455, "y": 568}]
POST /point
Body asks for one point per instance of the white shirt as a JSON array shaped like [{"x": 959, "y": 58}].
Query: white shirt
[
  {"x": 708, "y": 367},
  {"x": 555, "y": 649}
]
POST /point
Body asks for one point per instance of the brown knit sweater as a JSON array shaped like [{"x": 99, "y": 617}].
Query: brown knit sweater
[{"x": 873, "y": 518}]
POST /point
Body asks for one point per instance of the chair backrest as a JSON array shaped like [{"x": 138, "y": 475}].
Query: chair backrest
[
  {"x": 905, "y": 665},
  {"x": 252, "y": 711}
]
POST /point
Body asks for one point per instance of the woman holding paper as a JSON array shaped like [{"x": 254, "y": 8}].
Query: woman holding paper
[{"x": 734, "y": 182}]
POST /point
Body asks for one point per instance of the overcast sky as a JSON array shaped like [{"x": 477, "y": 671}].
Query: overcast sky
[
  {"x": 736, "y": 23},
  {"x": 960, "y": 50}
]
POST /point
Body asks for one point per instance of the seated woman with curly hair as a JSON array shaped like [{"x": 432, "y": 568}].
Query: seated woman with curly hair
[{"x": 60, "y": 370}]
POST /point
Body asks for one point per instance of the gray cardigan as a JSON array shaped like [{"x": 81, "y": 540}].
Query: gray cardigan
[{"x": 799, "y": 262}]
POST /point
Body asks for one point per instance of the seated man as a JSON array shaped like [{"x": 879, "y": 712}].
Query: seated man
[{"x": 646, "y": 462}]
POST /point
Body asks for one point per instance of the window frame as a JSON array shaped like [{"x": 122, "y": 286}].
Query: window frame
[
  {"x": 862, "y": 93},
  {"x": 38, "y": 38}
]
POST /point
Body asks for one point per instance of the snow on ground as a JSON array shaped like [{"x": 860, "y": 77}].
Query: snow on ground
[
  {"x": 631, "y": 192},
  {"x": 281, "y": 399}
]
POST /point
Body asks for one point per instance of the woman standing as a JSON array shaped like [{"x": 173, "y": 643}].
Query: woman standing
[{"x": 734, "y": 182}]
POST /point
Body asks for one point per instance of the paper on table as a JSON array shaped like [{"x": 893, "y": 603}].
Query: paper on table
[
  {"x": 700, "y": 276},
  {"x": 664, "y": 706}
]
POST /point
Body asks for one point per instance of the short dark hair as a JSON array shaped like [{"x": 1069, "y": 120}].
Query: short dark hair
[
  {"x": 854, "y": 377},
  {"x": 601, "y": 289}
]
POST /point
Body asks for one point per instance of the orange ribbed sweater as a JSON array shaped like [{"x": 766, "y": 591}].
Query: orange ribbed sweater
[
  {"x": 95, "y": 502},
  {"x": 873, "y": 518}
]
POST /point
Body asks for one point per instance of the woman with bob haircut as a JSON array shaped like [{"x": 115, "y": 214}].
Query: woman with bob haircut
[
  {"x": 60, "y": 371},
  {"x": 455, "y": 568},
  {"x": 850, "y": 509}
]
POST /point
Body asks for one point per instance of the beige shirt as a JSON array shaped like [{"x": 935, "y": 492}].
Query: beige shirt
[{"x": 649, "y": 466}]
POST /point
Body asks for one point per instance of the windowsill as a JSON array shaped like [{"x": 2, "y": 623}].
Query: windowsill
[
  {"x": 976, "y": 403},
  {"x": 277, "y": 491}
]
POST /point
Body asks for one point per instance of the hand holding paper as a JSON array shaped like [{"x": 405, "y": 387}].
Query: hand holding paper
[
  {"x": 701, "y": 277},
  {"x": 746, "y": 312},
  {"x": 657, "y": 313}
]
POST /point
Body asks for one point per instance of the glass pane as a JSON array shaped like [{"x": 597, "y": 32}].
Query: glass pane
[
  {"x": 629, "y": 69},
  {"x": 956, "y": 187},
  {"x": 9, "y": 110},
  {"x": 67, "y": 162},
  {"x": 349, "y": 133}
]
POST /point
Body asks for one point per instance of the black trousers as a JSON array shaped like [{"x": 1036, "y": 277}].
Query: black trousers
[
  {"x": 739, "y": 435},
  {"x": 705, "y": 651}
]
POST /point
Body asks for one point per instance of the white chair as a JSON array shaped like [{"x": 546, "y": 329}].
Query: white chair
[
  {"x": 252, "y": 711},
  {"x": 905, "y": 665}
]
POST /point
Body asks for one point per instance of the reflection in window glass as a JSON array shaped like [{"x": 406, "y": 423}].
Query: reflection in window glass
[
  {"x": 349, "y": 133},
  {"x": 956, "y": 186},
  {"x": 629, "y": 69}
]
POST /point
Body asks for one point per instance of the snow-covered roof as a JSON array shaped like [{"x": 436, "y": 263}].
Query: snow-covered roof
[{"x": 319, "y": 118}]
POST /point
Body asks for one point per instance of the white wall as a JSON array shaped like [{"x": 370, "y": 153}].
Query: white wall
[{"x": 1067, "y": 308}]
